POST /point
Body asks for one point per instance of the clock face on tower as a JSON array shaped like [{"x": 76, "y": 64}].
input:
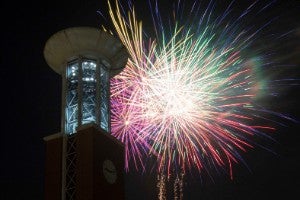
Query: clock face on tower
[{"x": 109, "y": 171}]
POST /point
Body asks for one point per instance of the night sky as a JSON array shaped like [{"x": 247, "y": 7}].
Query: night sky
[{"x": 31, "y": 100}]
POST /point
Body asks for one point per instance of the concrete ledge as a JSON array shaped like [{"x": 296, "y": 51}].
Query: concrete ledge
[{"x": 54, "y": 136}]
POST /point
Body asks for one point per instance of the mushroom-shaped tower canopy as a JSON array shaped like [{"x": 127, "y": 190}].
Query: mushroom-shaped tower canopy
[
  {"x": 88, "y": 42},
  {"x": 86, "y": 58}
]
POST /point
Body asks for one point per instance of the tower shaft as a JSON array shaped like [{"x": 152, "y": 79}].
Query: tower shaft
[{"x": 83, "y": 161}]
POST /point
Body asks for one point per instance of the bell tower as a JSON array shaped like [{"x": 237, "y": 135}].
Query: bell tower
[{"x": 83, "y": 161}]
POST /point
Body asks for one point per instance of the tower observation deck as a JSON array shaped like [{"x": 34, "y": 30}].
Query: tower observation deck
[{"x": 86, "y": 58}]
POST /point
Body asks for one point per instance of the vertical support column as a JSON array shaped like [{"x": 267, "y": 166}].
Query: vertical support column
[
  {"x": 104, "y": 99},
  {"x": 64, "y": 167},
  {"x": 63, "y": 99},
  {"x": 98, "y": 98},
  {"x": 64, "y": 137},
  {"x": 108, "y": 102},
  {"x": 80, "y": 92},
  {"x": 70, "y": 175}
]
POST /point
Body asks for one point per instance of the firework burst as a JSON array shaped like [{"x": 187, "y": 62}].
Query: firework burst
[{"x": 188, "y": 94}]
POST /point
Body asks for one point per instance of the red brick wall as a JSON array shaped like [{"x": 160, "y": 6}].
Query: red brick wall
[{"x": 53, "y": 169}]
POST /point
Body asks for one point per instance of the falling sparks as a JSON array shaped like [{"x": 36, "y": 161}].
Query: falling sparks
[
  {"x": 161, "y": 186},
  {"x": 178, "y": 186}
]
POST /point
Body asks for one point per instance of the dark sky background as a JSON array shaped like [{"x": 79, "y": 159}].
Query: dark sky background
[{"x": 31, "y": 96}]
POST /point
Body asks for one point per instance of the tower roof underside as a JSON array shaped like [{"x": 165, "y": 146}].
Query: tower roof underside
[{"x": 87, "y": 42}]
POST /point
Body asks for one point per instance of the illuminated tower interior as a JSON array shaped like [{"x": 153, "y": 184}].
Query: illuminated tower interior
[
  {"x": 87, "y": 94},
  {"x": 86, "y": 58}
]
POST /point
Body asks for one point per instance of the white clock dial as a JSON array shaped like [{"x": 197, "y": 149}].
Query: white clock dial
[{"x": 109, "y": 171}]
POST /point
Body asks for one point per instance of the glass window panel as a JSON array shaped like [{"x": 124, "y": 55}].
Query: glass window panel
[
  {"x": 88, "y": 91},
  {"x": 104, "y": 99},
  {"x": 72, "y": 98}
]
